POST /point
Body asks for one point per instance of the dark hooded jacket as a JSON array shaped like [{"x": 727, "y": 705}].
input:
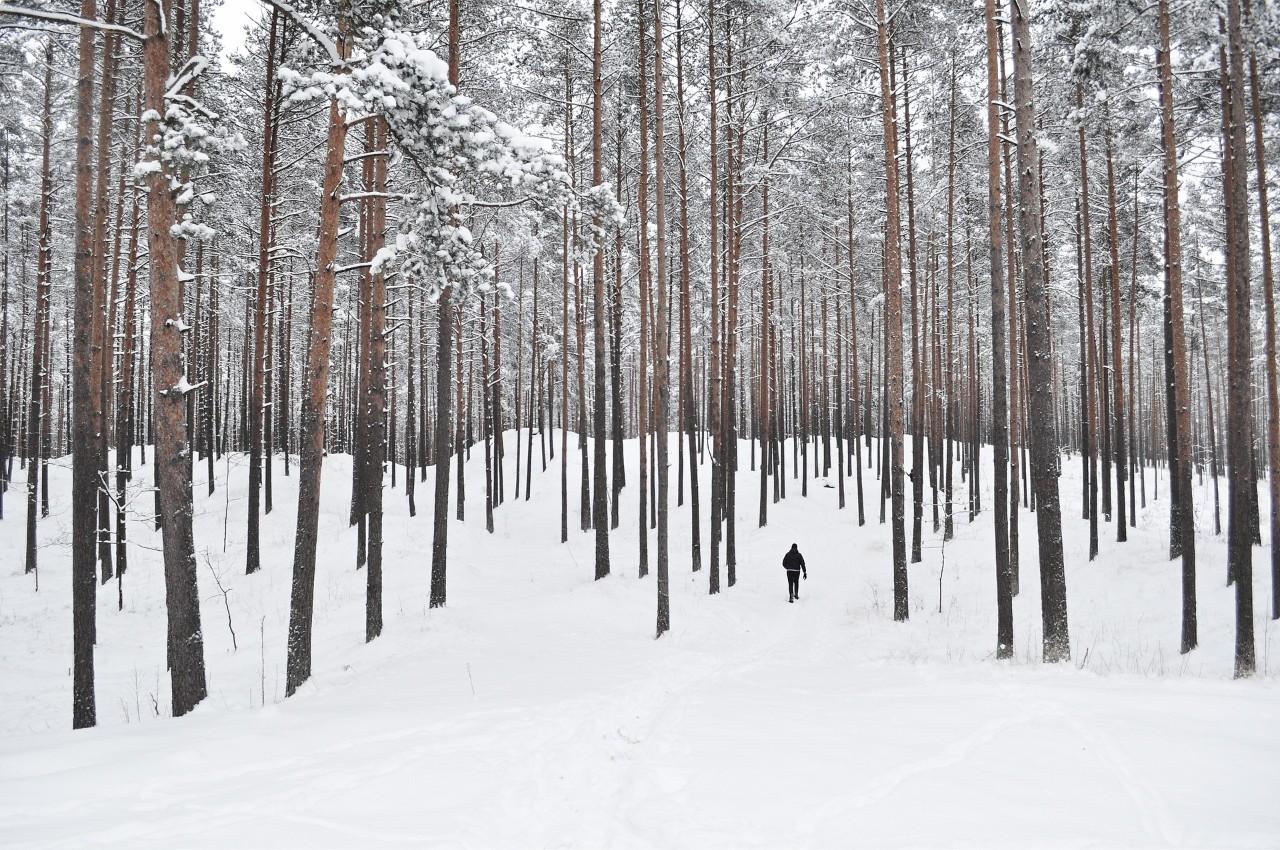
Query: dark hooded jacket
[{"x": 793, "y": 560}]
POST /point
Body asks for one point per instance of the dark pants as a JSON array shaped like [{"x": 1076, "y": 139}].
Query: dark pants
[{"x": 793, "y": 584}]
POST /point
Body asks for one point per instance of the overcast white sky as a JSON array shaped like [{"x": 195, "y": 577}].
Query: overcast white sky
[{"x": 230, "y": 19}]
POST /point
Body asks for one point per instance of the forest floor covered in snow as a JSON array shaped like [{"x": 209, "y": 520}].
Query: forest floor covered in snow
[{"x": 537, "y": 710}]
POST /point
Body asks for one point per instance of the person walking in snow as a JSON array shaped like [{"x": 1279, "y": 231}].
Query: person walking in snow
[{"x": 793, "y": 563}]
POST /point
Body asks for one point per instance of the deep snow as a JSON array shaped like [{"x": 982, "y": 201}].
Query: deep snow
[{"x": 537, "y": 710}]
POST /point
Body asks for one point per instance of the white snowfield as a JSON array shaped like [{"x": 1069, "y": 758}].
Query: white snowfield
[{"x": 537, "y": 710}]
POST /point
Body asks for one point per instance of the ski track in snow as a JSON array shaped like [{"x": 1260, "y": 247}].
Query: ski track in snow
[{"x": 537, "y": 709}]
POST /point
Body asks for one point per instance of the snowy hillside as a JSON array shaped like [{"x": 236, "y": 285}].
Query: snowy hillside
[{"x": 537, "y": 710}]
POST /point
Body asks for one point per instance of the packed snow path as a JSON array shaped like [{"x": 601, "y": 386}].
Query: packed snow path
[{"x": 537, "y": 710}]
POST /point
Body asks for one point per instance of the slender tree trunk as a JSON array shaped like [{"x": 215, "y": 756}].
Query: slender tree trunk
[
  {"x": 1118, "y": 439},
  {"x": 1181, "y": 514},
  {"x": 37, "y": 411},
  {"x": 1240, "y": 478},
  {"x": 688, "y": 403},
  {"x": 564, "y": 312},
  {"x": 733, "y": 236},
  {"x": 663, "y": 371},
  {"x": 252, "y": 557},
  {"x": 444, "y": 385},
  {"x": 853, "y": 354},
  {"x": 375, "y": 405},
  {"x": 917, "y": 338},
  {"x": 600, "y": 505},
  {"x": 125, "y": 416},
  {"x": 716, "y": 388},
  {"x": 766, "y": 327},
  {"x": 893, "y": 319},
  {"x": 999, "y": 408},
  {"x": 1007, "y": 358},
  {"x": 1268, "y": 289},
  {"x": 642, "y": 193},
  {"x": 1093, "y": 380},
  {"x": 615, "y": 347},
  {"x": 1211, "y": 419},
  {"x": 103, "y": 340},
  {"x": 948, "y": 523}
]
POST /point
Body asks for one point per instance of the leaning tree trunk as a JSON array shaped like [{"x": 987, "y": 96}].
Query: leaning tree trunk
[{"x": 316, "y": 391}]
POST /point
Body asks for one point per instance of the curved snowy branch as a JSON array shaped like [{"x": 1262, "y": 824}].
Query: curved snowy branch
[{"x": 68, "y": 19}]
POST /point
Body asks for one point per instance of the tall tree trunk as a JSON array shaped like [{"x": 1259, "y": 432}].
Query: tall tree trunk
[
  {"x": 853, "y": 354},
  {"x": 1181, "y": 513},
  {"x": 1117, "y": 383},
  {"x": 86, "y": 403},
  {"x": 999, "y": 407},
  {"x": 948, "y": 522},
  {"x": 615, "y": 346},
  {"x": 1240, "y": 479},
  {"x": 716, "y": 388},
  {"x": 893, "y": 319},
  {"x": 564, "y": 313},
  {"x": 103, "y": 340},
  {"x": 374, "y": 407},
  {"x": 766, "y": 328},
  {"x": 172, "y": 458},
  {"x": 1044, "y": 448},
  {"x": 1009, "y": 366},
  {"x": 312, "y": 414},
  {"x": 37, "y": 412},
  {"x": 1210, "y": 418},
  {"x": 688, "y": 402},
  {"x": 1093, "y": 380},
  {"x": 1268, "y": 289},
  {"x": 444, "y": 381},
  {"x": 252, "y": 556},
  {"x": 642, "y": 193},
  {"x": 125, "y": 416},
  {"x": 663, "y": 371},
  {"x": 600, "y": 505},
  {"x": 917, "y": 338},
  {"x": 733, "y": 236}
]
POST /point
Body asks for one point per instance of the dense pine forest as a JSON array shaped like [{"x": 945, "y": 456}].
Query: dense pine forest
[{"x": 348, "y": 283}]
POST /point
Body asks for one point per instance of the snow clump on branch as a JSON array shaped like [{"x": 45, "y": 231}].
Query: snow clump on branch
[{"x": 458, "y": 148}]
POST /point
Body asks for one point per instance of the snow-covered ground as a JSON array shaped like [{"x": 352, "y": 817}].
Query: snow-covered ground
[{"x": 537, "y": 710}]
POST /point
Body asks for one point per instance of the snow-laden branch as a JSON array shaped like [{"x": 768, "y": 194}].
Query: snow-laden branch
[
  {"x": 457, "y": 145},
  {"x": 313, "y": 32},
  {"x": 193, "y": 68},
  {"x": 68, "y": 19}
]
